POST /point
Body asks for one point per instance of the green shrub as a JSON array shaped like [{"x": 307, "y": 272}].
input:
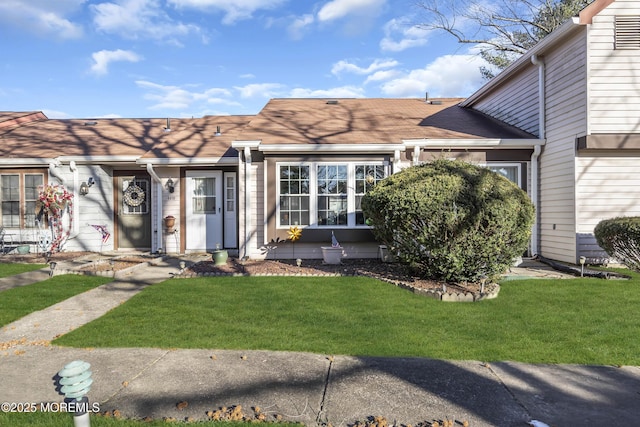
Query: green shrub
[
  {"x": 620, "y": 238},
  {"x": 451, "y": 220}
]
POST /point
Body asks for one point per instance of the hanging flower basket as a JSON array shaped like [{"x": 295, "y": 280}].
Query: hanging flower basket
[{"x": 134, "y": 195}]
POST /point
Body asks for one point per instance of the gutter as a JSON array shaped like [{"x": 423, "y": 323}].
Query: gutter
[{"x": 157, "y": 224}]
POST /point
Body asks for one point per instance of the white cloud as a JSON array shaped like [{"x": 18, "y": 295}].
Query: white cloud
[
  {"x": 299, "y": 25},
  {"x": 264, "y": 90},
  {"x": 170, "y": 97},
  {"x": 104, "y": 57},
  {"x": 379, "y": 76},
  {"x": 447, "y": 76},
  {"x": 42, "y": 17},
  {"x": 139, "y": 19},
  {"x": 234, "y": 10},
  {"x": 336, "y": 92},
  {"x": 400, "y": 35},
  {"x": 348, "y": 67},
  {"x": 337, "y": 9},
  {"x": 247, "y": 76}
]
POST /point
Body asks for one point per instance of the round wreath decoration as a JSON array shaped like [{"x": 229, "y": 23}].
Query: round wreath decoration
[{"x": 134, "y": 195}]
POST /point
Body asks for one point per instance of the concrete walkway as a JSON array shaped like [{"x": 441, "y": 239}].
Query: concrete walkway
[{"x": 309, "y": 388}]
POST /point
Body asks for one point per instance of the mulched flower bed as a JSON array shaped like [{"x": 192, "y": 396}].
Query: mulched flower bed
[{"x": 391, "y": 272}]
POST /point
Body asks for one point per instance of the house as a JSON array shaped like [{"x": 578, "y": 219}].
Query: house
[
  {"x": 561, "y": 122},
  {"x": 578, "y": 89}
]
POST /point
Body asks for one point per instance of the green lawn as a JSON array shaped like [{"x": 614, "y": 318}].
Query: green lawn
[
  {"x": 586, "y": 321},
  {"x": 20, "y": 301},
  {"x": 11, "y": 269}
]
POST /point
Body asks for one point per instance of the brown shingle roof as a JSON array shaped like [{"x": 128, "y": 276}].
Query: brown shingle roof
[
  {"x": 198, "y": 138},
  {"x": 95, "y": 137},
  {"x": 371, "y": 121}
]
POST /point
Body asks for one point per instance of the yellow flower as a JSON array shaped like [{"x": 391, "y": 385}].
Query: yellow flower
[{"x": 294, "y": 233}]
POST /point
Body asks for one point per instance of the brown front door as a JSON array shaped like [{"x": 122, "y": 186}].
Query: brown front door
[{"x": 133, "y": 211}]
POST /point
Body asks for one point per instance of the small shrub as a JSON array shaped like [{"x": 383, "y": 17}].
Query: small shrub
[
  {"x": 451, "y": 220},
  {"x": 620, "y": 239}
]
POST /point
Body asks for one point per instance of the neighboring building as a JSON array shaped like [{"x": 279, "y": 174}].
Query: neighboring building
[
  {"x": 579, "y": 90},
  {"x": 562, "y": 122}
]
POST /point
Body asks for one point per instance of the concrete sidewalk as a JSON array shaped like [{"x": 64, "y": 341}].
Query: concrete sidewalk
[{"x": 309, "y": 388}]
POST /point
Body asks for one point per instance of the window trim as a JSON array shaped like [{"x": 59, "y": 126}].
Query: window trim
[
  {"x": 313, "y": 191},
  {"x": 22, "y": 193}
]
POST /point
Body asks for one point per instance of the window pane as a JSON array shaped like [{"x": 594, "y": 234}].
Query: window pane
[
  {"x": 367, "y": 176},
  {"x": 294, "y": 199},
  {"x": 509, "y": 172}
]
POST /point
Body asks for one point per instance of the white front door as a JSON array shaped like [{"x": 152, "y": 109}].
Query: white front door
[{"x": 204, "y": 203}]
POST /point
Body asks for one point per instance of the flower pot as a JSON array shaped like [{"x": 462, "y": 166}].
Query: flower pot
[
  {"x": 332, "y": 254},
  {"x": 170, "y": 223},
  {"x": 220, "y": 256}
]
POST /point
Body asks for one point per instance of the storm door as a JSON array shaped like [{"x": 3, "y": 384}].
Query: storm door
[{"x": 204, "y": 204}]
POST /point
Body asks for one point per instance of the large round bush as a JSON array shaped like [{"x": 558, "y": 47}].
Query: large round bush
[{"x": 451, "y": 220}]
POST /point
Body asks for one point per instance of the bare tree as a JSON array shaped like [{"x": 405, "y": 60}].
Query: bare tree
[{"x": 501, "y": 29}]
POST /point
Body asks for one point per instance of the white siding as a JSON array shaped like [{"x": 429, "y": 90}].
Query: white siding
[
  {"x": 170, "y": 242},
  {"x": 566, "y": 117},
  {"x": 94, "y": 208},
  {"x": 614, "y": 83},
  {"x": 515, "y": 102},
  {"x": 607, "y": 186}
]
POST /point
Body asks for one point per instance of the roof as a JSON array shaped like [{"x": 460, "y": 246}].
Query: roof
[
  {"x": 371, "y": 121},
  {"x": 207, "y": 138},
  {"x": 290, "y": 124},
  {"x": 12, "y": 119},
  {"x": 85, "y": 138}
]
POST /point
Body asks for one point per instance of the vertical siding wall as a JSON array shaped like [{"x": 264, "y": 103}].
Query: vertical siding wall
[
  {"x": 614, "y": 81},
  {"x": 566, "y": 117}
]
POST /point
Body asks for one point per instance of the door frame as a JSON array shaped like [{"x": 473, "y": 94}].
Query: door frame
[{"x": 117, "y": 174}]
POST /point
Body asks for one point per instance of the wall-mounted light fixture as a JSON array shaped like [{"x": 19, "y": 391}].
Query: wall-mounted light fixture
[
  {"x": 84, "y": 187},
  {"x": 170, "y": 185}
]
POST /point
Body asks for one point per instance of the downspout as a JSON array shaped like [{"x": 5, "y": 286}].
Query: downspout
[
  {"x": 537, "y": 150},
  {"x": 157, "y": 224},
  {"x": 53, "y": 164},
  {"x": 247, "y": 200},
  {"x": 76, "y": 204}
]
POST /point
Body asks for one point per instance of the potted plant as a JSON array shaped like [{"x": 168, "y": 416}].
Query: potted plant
[
  {"x": 170, "y": 223},
  {"x": 332, "y": 254}
]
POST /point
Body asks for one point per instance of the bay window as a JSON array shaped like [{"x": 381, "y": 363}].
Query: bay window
[{"x": 325, "y": 194}]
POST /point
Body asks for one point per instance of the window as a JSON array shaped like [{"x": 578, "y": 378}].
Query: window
[
  {"x": 367, "y": 176},
  {"x": 509, "y": 171},
  {"x": 19, "y": 194},
  {"x": 325, "y": 194},
  {"x": 294, "y": 195},
  {"x": 332, "y": 194},
  {"x": 204, "y": 195}
]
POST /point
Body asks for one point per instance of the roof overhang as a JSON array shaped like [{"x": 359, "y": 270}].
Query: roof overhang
[
  {"x": 188, "y": 161},
  {"x": 331, "y": 148},
  {"x": 482, "y": 144},
  {"x": 25, "y": 162},
  {"x": 98, "y": 159}
]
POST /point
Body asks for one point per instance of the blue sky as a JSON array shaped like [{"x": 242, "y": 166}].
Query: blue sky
[{"x": 190, "y": 58}]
